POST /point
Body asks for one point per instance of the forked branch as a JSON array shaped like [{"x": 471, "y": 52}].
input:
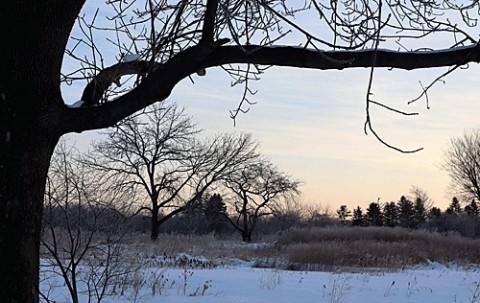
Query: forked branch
[{"x": 97, "y": 87}]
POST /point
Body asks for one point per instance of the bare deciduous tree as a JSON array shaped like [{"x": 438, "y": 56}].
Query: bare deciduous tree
[
  {"x": 343, "y": 213},
  {"x": 258, "y": 188},
  {"x": 159, "y": 155},
  {"x": 462, "y": 162},
  {"x": 418, "y": 193},
  {"x": 128, "y": 55},
  {"x": 83, "y": 229}
]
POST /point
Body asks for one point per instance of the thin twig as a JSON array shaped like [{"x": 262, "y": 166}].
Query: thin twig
[{"x": 368, "y": 121}]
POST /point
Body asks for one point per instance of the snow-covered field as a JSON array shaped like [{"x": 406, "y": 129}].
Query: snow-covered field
[{"x": 242, "y": 283}]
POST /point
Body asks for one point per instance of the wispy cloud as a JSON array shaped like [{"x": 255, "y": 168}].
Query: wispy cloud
[{"x": 311, "y": 124}]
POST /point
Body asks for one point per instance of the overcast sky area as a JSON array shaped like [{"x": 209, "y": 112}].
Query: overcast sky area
[{"x": 310, "y": 123}]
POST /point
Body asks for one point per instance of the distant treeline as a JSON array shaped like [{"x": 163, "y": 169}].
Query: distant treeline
[
  {"x": 417, "y": 214},
  {"x": 211, "y": 216}
]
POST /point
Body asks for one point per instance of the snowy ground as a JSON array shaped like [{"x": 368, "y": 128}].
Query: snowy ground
[{"x": 241, "y": 283}]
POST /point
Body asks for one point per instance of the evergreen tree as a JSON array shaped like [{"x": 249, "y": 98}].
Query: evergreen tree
[
  {"x": 215, "y": 212},
  {"x": 191, "y": 218},
  {"x": 374, "y": 214},
  {"x": 472, "y": 209},
  {"x": 390, "y": 214},
  {"x": 406, "y": 213},
  {"x": 358, "y": 219},
  {"x": 454, "y": 208},
  {"x": 434, "y": 212},
  {"x": 420, "y": 213}
]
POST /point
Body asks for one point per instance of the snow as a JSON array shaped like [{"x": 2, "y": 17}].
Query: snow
[
  {"x": 76, "y": 104},
  {"x": 130, "y": 57},
  {"x": 386, "y": 50},
  {"x": 432, "y": 282}
]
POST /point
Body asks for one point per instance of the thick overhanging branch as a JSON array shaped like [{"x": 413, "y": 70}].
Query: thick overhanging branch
[
  {"x": 158, "y": 85},
  {"x": 93, "y": 92},
  {"x": 326, "y": 60}
]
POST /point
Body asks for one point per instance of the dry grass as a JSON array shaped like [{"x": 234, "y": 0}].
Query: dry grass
[
  {"x": 325, "y": 248},
  {"x": 331, "y": 248},
  {"x": 203, "y": 245}
]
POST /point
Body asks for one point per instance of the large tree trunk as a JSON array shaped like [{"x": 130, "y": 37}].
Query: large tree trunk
[
  {"x": 28, "y": 136},
  {"x": 34, "y": 36},
  {"x": 246, "y": 236},
  {"x": 24, "y": 161},
  {"x": 154, "y": 224}
]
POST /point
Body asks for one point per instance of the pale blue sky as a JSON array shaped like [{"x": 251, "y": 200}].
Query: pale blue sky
[{"x": 310, "y": 123}]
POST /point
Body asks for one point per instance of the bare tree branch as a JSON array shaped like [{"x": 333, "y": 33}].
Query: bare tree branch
[
  {"x": 158, "y": 85},
  {"x": 95, "y": 90}
]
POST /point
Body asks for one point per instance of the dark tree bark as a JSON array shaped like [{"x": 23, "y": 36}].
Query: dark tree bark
[
  {"x": 154, "y": 223},
  {"x": 33, "y": 115},
  {"x": 34, "y": 36},
  {"x": 25, "y": 160}
]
